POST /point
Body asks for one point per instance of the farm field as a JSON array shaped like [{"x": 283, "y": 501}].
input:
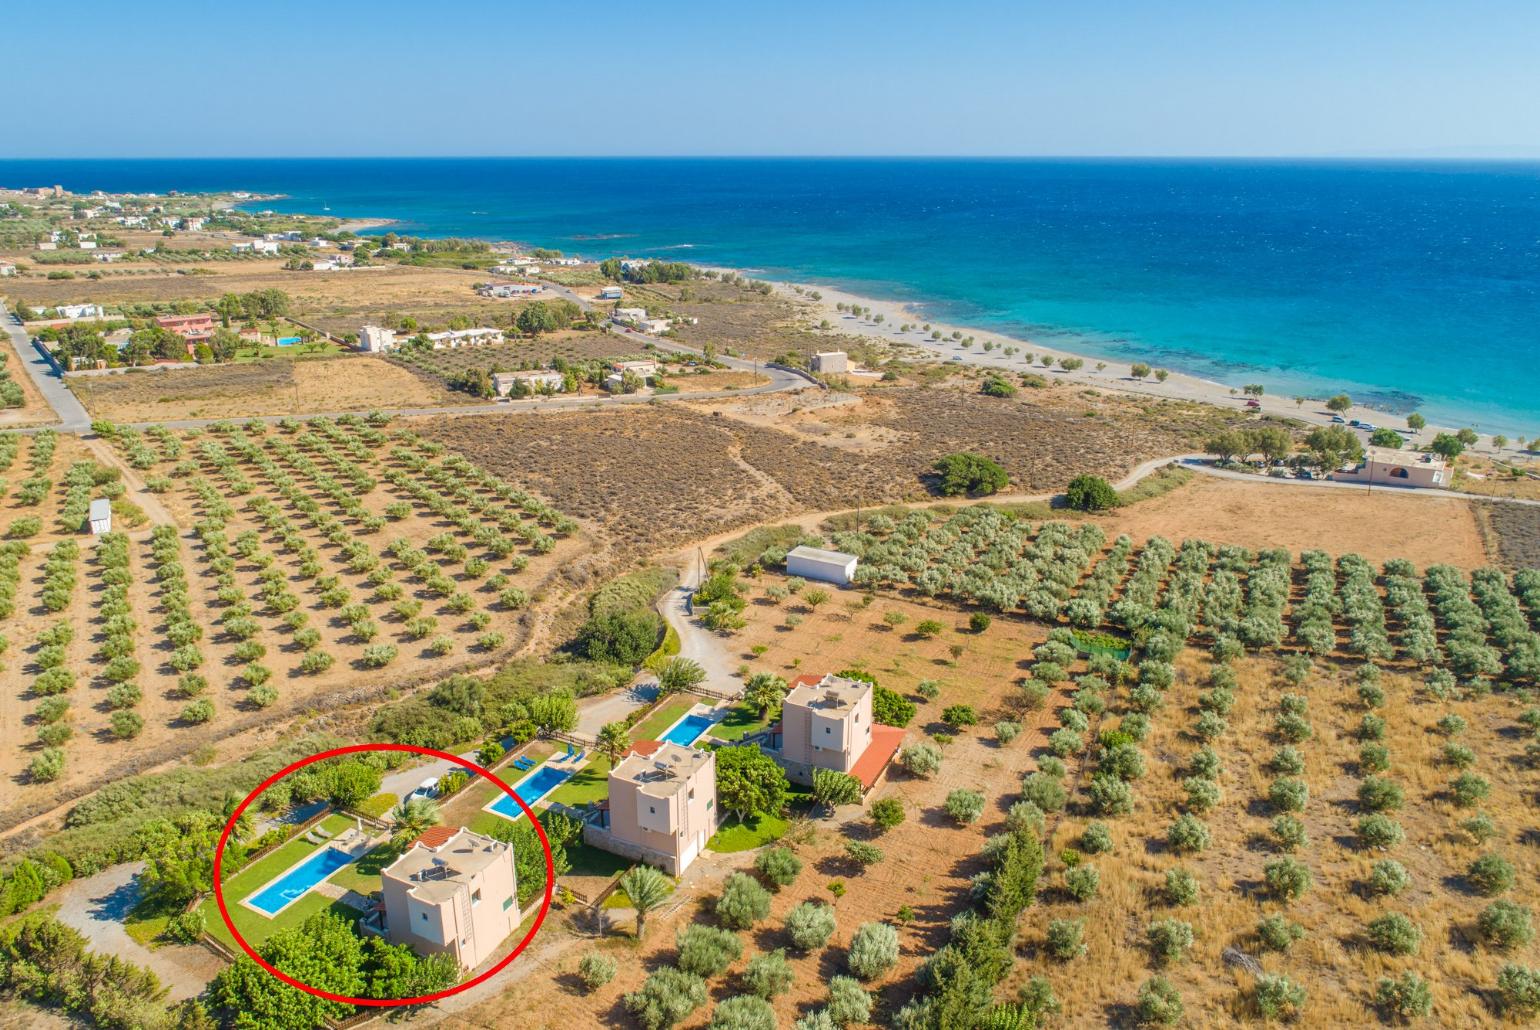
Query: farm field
[
  {"x": 1514, "y": 532},
  {"x": 539, "y": 352},
  {"x": 292, "y": 568},
  {"x": 275, "y": 386}
]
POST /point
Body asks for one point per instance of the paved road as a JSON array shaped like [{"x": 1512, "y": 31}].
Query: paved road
[
  {"x": 97, "y": 905},
  {"x": 1204, "y": 464},
  {"x": 72, "y": 414}
]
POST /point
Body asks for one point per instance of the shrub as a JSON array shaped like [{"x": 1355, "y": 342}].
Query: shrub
[
  {"x": 1405, "y": 997},
  {"x": 920, "y": 759},
  {"x": 862, "y": 853},
  {"x": 1063, "y": 940},
  {"x": 1451, "y": 725},
  {"x": 1024, "y": 815},
  {"x": 768, "y": 974},
  {"x": 1469, "y": 790},
  {"x": 1394, "y": 934},
  {"x": 1377, "y": 794},
  {"x": 1169, "y": 940},
  {"x": 1202, "y": 794},
  {"x": 1292, "y": 728},
  {"x": 1388, "y": 877},
  {"x": 1287, "y": 761},
  {"x": 707, "y": 950},
  {"x": 596, "y": 970},
  {"x": 1480, "y": 827},
  {"x": 1373, "y": 758},
  {"x": 127, "y": 724},
  {"x": 873, "y": 950},
  {"x": 1159, "y": 1003},
  {"x": 1205, "y": 763},
  {"x": 1188, "y": 835},
  {"x": 778, "y": 866},
  {"x": 1210, "y": 726},
  {"x": 1504, "y": 925},
  {"x": 199, "y": 711},
  {"x": 1289, "y": 833},
  {"x": 1044, "y": 791},
  {"x": 1277, "y": 996},
  {"x": 1181, "y": 887},
  {"x": 1065, "y": 742},
  {"x": 1379, "y": 832},
  {"x": 1371, "y": 727},
  {"x": 1279, "y": 934},
  {"x": 886, "y": 813},
  {"x": 1082, "y": 882},
  {"x": 1288, "y": 794},
  {"x": 810, "y": 925},
  {"x": 964, "y": 805},
  {"x": 1287, "y": 879},
  {"x": 743, "y": 903},
  {"x": 667, "y": 997},
  {"x": 1096, "y": 839},
  {"x": 1518, "y": 991},
  {"x": 1007, "y": 730},
  {"x": 959, "y": 715},
  {"x": 1110, "y": 795},
  {"x": 1090, "y": 493},
  {"x": 979, "y": 621},
  {"x": 848, "y": 1002},
  {"x": 46, "y": 766},
  {"x": 1459, "y": 756},
  {"x": 1490, "y": 875}
]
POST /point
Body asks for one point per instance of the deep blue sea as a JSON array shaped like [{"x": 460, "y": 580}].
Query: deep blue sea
[{"x": 1406, "y": 284}]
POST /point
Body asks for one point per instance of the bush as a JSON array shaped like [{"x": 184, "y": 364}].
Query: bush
[
  {"x": 1469, "y": 790},
  {"x": 1287, "y": 761},
  {"x": 862, "y": 853},
  {"x": 848, "y": 1002},
  {"x": 886, "y": 813},
  {"x": 1388, "y": 878},
  {"x": 185, "y": 927},
  {"x": 959, "y": 715},
  {"x": 810, "y": 925},
  {"x": 1490, "y": 875},
  {"x": 743, "y": 1012},
  {"x": 1287, "y": 879},
  {"x": 1096, "y": 839},
  {"x": 920, "y": 759},
  {"x": 1379, "y": 832},
  {"x": 1169, "y": 940},
  {"x": 1405, "y": 997},
  {"x": 1288, "y": 794},
  {"x": 1504, "y": 925},
  {"x": 1110, "y": 795},
  {"x": 1278, "y": 996},
  {"x": 667, "y": 997},
  {"x": 979, "y": 621},
  {"x": 1292, "y": 728},
  {"x": 1181, "y": 887},
  {"x": 1007, "y": 730},
  {"x": 743, "y": 903},
  {"x": 778, "y": 866},
  {"x": 1373, "y": 758},
  {"x": 965, "y": 805},
  {"x": 1279, "y": 934},
  {"x": 126, "y": 725},
  {"x": 1289, "y": 833},
  {"x": 769, "y": 974},
  {"x": 199, "y": 711},
  {"x": 1024, "y": 815},
  {"x": 1065, "y": 742},
  {"x": 1518, "y": 991},
  {"x": 1044, "y": 791},
  {"x": 1090, "y": 493},
  {"x": 1082, "y": 882},
  {"x": 596, "y": 970},
  {"x": 707, "y": 950},
  {"x": 1063, "y": 940},
  {"x": 972, "y": 474},
  {"x": 1377, "y": 794},
  {"x": 1188, "y": 835},
  {"x": 46, "y": 766},
  {"x": 1159, "y": 1003},
  {"x": 1394, "y": 934},
  {"x": 873, "y": 950}
]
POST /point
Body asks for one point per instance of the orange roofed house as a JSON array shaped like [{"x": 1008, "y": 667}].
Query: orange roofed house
[
  {"x": 662, "y": 807},
  {"x": 826, "y": 723},
  {"x": 452, "y": 891}
]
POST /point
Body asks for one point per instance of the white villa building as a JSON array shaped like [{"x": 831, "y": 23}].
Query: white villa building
[
  {"x": 376, "y": 340},
  {"x": 502, "y": 382},
  {"x": 1386, "y": 466},
  {"x": 455, "y": 338},
  {"x": 824, "y": 566},
  {"x": 831, "y": 361}
]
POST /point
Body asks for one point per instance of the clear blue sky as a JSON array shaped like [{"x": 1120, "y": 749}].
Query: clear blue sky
[{"x": 1071, "y": 77}]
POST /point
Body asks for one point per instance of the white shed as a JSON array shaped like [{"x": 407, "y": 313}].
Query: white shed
[
  {"x": 100, "y": 516},
  {"x": 825, "y": 566}
]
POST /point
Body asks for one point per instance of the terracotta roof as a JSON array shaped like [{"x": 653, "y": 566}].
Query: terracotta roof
[
  {"x": 885, "y": 741},
  {"x": 645, "y": 748},
  {"x": 807, "y": 679},
  {"x": 438, "y": 836}
]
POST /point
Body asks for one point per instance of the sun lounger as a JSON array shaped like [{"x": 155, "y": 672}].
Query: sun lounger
[{"x": 319, "y": 832}]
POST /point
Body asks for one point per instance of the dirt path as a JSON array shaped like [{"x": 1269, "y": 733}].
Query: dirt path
[
  {"x": 138, "y": 493},
  {"x": 97, "y": 905}
]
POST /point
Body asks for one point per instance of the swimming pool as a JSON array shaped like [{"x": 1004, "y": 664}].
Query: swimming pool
[
  {"x": 298, "y": 881},
  {"x": 531, "y": 788},
  {"x": 689, "y": 729}
]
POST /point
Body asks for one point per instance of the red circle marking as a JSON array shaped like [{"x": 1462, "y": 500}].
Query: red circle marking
[{"x": 224, "y": 839}]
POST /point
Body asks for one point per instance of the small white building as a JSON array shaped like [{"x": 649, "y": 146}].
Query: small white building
[
  {"x": 503, "y": 382},
  {"x": 567, "y": 262},
  {"x": 509, "y": 289},
  {"x": 831, "y": 361},
  {"x": 6, "y": 268},
  {"x": 610, "y": 293},
  {"x": 109, "y": 256},
  {"x": 255, "y": 247},
  {"x": 376, "y": 340},
  {"x": 1386, "y": 466},
  {"x": 76, "y": 311},
  {"x": 630, "y": 316},
  {"x": 824, "y": 566},
  {"x": 645, "y": 369},
  {"x": 100, "y": 516},
  {"x": 86, "y": 244},
  {"x": 456, "y": 338}
]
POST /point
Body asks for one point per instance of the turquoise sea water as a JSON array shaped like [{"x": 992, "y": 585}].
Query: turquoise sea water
[{"x": 1409, "y": 285}]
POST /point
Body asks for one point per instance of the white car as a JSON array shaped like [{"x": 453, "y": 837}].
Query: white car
[{"x": 425, "y": 789}]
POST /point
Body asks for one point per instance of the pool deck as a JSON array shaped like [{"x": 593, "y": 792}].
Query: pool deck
[
  {"x": 714, "y": 713},
  {"x": 357, "y": 847}
]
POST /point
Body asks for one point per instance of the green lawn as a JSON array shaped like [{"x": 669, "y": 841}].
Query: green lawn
[
  {"x": 145, "y": 922},
  {"x": 363, "y": 876},
  {"x": 588, "y": 860},
  {"x": 591, "y": 783},
  {"x": 668, "y": 713},
  {"x": 758, "y": 831},
  {"x": 740, "y": 721},
  {"x": 257, "y": 928}
]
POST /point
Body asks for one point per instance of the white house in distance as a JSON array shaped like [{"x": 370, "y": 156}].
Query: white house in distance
[
  {"x": 255, "y": 247},
  {"x": 831, "y": 361},
  {"x": 1386, "y": 466},
  {"x": 452, "y": 891},
  {"x": 6, "y": 268},
  {"x": 662, "y": 807},
  {"x": 509, "y": 289},
  {"x": 824, "y": 566},
  {"x": 455, "y": 338},
  {"x": 376, "y": 340},
  {"x": 99, "y": 516},
  {"x": 79, "y": 311},
  {"x": 502, "y": 382},
  {"x": 610, "y": 293}
]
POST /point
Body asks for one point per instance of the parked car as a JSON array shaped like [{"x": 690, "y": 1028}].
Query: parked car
[
  {"x": 426, "y": 789},
  {"x": 1354, "y": 423},
  {"x": 1367, "y": 427},
  {"x": 1253, "y": 403},
  {"x": 1338, "y": 420},
  {"x": 1304, "y": 474}
]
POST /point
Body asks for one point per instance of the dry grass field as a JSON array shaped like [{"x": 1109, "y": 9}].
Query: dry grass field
[
  {"x": 322, "y": 562},
  {"x": 1514, "y": 532},
  {"x": 276, "y": 386}
]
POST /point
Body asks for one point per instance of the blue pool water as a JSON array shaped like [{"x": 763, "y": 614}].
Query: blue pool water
[
  {"x": 294, "y": 884},
  {"x": 687, "y": 730},
  {"x": 531, "y": 788}
]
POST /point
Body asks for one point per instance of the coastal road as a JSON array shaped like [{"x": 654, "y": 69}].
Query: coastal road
[
  {"x": 1204, "y": 464},
  {"x": 72, "y": 414}
]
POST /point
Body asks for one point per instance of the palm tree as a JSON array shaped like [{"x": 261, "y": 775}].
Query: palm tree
[
  {"x": 613, "y": 741},
  {"x": 412, "y": 817},
  {"x": 646, "y": 887},
  {"x": 764, "y": 691}
]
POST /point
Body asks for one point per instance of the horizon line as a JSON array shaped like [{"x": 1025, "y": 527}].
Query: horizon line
[{"x": 1448, "y": 158}]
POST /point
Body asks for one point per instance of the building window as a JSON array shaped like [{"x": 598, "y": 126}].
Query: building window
[
  {"x": 827, "y": 730},
  {"x": 692, "y": 793},
  {"x": 1400, "y": 474},
  {"x": 424, "y": 916},
  {"x": 651, "y": 810},
  {"x": 476, "y": 897},
  {"x": 507, "y": 904}
]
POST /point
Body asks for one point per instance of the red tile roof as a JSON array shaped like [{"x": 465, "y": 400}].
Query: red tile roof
[
  {"x": 807, "y": 679},
  {"x": 437, "y": 836},
  {"x": 885, "y": 741},
  {"x": 645, "y": 748}
]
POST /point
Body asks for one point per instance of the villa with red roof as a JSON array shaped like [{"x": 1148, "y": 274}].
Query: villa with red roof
[
  {"x": 662, "y": 806},
  {"x": 826, "y": 723}
]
